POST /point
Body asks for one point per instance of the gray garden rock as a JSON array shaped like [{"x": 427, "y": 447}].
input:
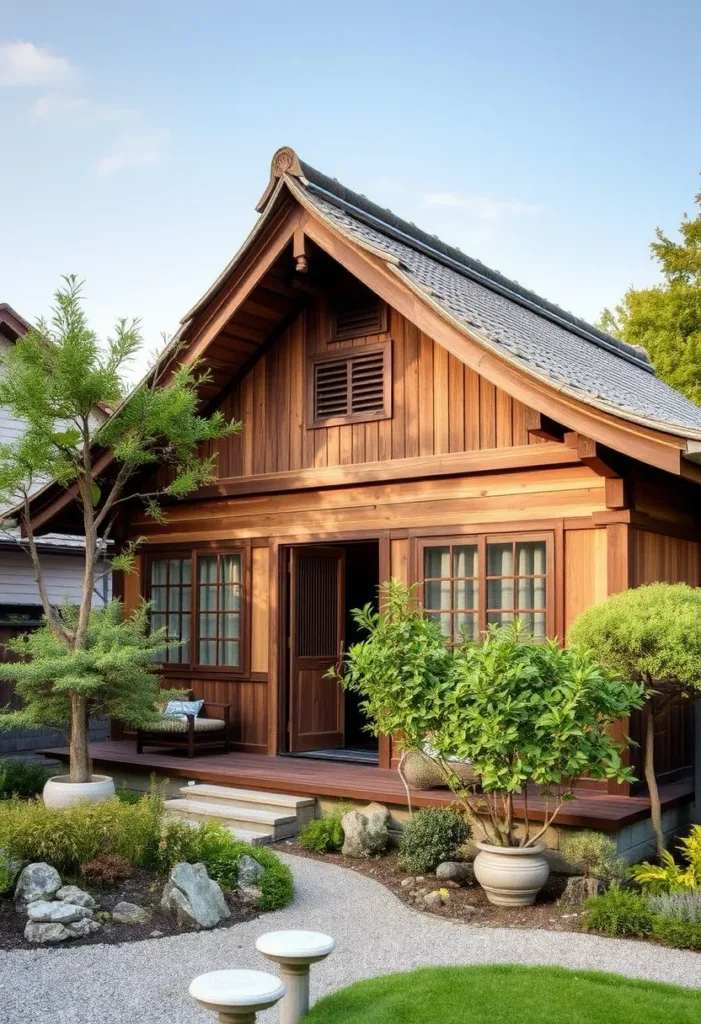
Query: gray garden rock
[
  {"x": 43, "y": 933},
  {"x": 250, "y": 871},
  {"x": 37, "y": 882},
  {"x": 56, "y": 912},
  {"x": 456, "y": 871},
  {"x": 11, "y": 866},
  {"x": 81, "y": 929},
  {"x": 72, "y": 894},
  {"x": 130, "y": 913},
  {"x": 193, "y": 898},
  {"x": 579, "y": 889},
  {"x": 365, "y": 833}
]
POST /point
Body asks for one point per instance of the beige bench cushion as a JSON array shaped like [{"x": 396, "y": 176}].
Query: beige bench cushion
[{"x": 177, "y": 725}]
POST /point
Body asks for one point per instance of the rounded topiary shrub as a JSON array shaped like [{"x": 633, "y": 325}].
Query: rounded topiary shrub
[{"x": 432, "y": 836}]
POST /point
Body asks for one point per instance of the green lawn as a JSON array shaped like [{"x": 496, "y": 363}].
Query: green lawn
[{"x": 507, "y": 995}]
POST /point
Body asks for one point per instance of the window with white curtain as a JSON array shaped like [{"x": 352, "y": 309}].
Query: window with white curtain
[{"x": 473, "y": 582}]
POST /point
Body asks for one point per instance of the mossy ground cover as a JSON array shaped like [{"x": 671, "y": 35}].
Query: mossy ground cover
[{"x": 505, "y": 995}]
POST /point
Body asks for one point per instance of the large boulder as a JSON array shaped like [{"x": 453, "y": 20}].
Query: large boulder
[
  {"x": 193, "y": 898},
  {"x": 72, "y": 894},
  {"x": 37, "y": 882},
  {"x": 365, "y": 833},
  {"x": 130, "y": 913},
  {"x": 56, "y": 912}
]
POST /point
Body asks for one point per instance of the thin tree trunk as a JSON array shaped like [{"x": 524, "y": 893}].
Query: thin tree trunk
[
  {"x": 651, "y": 780},
  {"x": 402, "y": 776},
  {"x": 80, "y": 766}
]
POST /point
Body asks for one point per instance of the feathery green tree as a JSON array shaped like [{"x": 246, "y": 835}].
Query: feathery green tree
[
  {"x": 56, "y": 380},
  {"x": 666, "y": 318}
]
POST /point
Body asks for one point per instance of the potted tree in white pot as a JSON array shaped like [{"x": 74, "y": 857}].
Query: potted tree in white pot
[
  {"x": 53, "y": 380},
  {"x": 527, "y": 713}
]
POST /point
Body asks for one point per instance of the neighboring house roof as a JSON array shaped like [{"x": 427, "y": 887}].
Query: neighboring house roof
[
  {"x": 545, "y": 340},
  {"x": 12, "y": 325}
]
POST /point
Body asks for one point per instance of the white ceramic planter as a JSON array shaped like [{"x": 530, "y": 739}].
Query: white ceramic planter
[
  {"x": 511, "y": 876},
  {"x": 60, "y": 792}
]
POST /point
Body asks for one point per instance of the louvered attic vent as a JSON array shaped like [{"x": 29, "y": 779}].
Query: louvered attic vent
[
  {"x": 358, "y": 317},
  {"x": 353, "y": 387}
]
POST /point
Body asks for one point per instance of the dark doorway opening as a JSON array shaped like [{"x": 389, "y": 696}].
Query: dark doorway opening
[{"x": 359, "y": 583}]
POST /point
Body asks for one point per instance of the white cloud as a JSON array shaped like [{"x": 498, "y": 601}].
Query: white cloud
[
  {"x": 136, "y": 150},
  {"x": 59, "y": 106},
  {"x": 27, "y": 64},
  {"x": 482, "y": 207}
]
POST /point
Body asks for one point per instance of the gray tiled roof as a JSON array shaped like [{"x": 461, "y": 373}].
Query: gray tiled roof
[{"x": 548, "y": 342}]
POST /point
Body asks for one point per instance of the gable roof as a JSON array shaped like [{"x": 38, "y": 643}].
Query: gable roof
[
  {"x": 12, "y": 325},
  {"x": 546, "y": 341}
]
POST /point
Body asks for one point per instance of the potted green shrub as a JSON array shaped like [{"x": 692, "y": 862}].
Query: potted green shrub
[
  {"x": 58, "y": 380},
  {"x": 527, "y": 713}
]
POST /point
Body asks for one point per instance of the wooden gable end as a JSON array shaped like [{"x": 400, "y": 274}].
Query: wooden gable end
[{"x": 438, "y": 405}]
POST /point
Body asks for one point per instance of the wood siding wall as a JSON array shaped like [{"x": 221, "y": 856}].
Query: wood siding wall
[{"x": 438, "y": 406}]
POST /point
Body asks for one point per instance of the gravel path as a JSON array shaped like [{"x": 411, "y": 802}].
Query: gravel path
[{"x": 146, "y": 982}]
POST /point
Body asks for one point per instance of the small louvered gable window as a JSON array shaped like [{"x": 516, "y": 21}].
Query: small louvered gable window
[
  {"x": 352, "y": 387},
  {"x": 359, "y": 316}
]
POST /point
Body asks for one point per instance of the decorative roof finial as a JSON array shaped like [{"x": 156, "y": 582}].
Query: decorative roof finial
[{"x": 285, "y": 161}]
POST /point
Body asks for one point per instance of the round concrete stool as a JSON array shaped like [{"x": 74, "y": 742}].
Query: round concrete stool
[
  {"x": 295, "y": 952},
  {"x": 237, "y": 996}
]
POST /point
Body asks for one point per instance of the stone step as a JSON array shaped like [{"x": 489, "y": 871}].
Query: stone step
[
  {"x": 302, "y": 806},
  {"x": 248, "y": 818}
]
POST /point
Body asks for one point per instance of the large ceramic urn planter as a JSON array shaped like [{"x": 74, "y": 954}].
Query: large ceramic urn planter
[
  {"x": 60, "y": 792},
  {"x": 511, "y": 876}
]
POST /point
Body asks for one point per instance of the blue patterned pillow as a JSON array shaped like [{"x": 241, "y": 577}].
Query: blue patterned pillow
[{"x": 181, "y": 708}]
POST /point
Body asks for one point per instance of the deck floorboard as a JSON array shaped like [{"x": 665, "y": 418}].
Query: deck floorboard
[{"x": 589, "y": 808}]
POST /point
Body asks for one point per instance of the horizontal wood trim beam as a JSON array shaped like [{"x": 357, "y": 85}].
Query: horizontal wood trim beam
[{"x": 460, "y": 463}]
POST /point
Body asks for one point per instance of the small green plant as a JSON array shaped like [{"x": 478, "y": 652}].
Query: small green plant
[
  {"x": 677, "y": 906},
  {"x": 668, "y": 876},
  {"x": 322, "y": 835},
  {"x": 618, "y": 912},
  {"x": 595, "y": 854},
  {"x": 434, "y": 835},
  {"x": 128, "y": 796},
  {"x": 22, "y": 779},
  {"x": 680, "y": 934},
  {"x": 7, "y": 878},
  {"x": 106, "y": 871}
]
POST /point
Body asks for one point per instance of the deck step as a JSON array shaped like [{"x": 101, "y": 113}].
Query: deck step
[
  {"x": 283, "y": 803},
  {"x": 244, "y": 817}
]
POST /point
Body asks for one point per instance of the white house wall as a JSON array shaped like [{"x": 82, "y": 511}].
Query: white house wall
[{"x": 64, "y": 579}]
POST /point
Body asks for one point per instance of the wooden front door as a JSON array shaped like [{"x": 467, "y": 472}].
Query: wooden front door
[{"x": 317, "y": 611}]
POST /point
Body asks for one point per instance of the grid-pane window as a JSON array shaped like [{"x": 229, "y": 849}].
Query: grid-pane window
[
  {"x": 516, "y": 584},
  {"x": 219, "y": 593},
  {"x": 171, "y": 604},
  {"x": 451, "y": 589},
  {"x": 470, "y": 584}
]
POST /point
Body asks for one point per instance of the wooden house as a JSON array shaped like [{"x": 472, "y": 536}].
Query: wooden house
[{"x": 406, "y": 412}]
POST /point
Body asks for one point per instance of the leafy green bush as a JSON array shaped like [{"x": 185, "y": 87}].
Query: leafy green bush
[
  {"x": 670, "y": 876},
  {"x": 680, "y": 934},
  {"x": 677, "y": 906},
  {"x": 618, "y": 912},
  {"x": 431, "y": 837},
  {"x": 128, "y": 796},
  {"x": 19, "y": 778},
  {"x": 322, "y": 835},
  {"x": 595, "y": 853}
]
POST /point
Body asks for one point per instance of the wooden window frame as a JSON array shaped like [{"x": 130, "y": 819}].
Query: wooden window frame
[
  {"x": 481, "y": 540},
  {"x": 194, "y": 552},
  {"x": 347, "y": 355}
]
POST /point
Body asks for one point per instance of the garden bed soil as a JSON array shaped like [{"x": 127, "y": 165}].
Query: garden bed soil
[
  {"x": 144, "y": 888},
  {"x": 468, "y": 904}
]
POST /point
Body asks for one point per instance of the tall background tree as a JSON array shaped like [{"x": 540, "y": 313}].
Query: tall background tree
[
  {"x": 52, "y": 380},
  {"x": 666, "y": 318}
]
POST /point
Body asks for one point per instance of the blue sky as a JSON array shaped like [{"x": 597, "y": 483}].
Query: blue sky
[{"x": 547, "y": 139}]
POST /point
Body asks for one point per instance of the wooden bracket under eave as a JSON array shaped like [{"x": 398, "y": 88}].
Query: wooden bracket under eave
[
  {"x": 592, "y": 455},
  {"x": 299, "y": 251},
  {"x": 542, "y": 426}
]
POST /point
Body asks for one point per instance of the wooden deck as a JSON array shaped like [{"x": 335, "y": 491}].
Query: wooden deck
[{"x": 589, "y": 809}]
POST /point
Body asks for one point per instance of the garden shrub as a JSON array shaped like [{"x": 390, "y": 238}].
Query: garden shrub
[
  {"x": 7, "y": 878},
  {"x": 618, "y": 912},
  {"x": 325, "y": 835},
  {"x": 668, "y": 876},
  {"x": 434, "y": 835},
  {"x": 595, "y": 853},
  {"x": 680, "y": 934},
  {"x": 677, "y": 906},
  {"x": 106, "y": 871},
  {"x": 21, "y": 779}
]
